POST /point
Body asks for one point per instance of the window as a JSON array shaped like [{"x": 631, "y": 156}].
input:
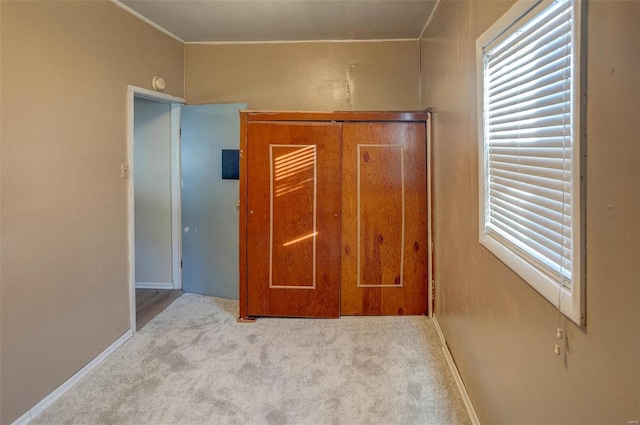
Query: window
[{"x": 530, "y": 148}]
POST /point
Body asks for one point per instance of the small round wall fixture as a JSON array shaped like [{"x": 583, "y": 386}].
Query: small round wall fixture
[{"x": 158, "y": 83}]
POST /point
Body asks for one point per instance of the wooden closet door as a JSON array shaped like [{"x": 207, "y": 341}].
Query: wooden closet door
[
  {"x": 384, "y": 221},
  {"x": 293, "y": 219}
]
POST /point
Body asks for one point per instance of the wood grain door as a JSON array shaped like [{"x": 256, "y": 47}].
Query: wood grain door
[
  {"x": 384, "y": 221},
  {"x": 293, "y": 219}
]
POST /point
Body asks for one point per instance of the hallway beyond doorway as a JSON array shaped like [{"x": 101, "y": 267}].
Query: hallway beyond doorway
[{"x": 151, "y": 302}]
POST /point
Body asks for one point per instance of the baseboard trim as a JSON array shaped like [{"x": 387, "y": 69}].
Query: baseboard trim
[
  {"x": 69, "y": 383},
  {"x": 24, "y": 419},
  {"x": 154, "y": 285},
  {"x": 471, "y": 411}
]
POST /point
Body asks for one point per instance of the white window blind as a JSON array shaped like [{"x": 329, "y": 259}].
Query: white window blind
[{"x": 530, "y": 141}]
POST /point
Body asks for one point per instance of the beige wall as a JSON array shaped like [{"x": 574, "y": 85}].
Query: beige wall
[
  {"x": 501, "y": 332},
  {"x": 65, "y": 68},
  {"x": 306, "y": 76}
]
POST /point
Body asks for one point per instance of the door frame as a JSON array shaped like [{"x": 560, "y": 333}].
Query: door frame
[
  {"x": 176, "y": 234},
  {"x": 431, "y": 293}
]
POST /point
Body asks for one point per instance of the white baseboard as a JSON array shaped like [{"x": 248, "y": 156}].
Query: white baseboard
[
  {"x": 154, "y": 285},
  {"x": 66, "y": 386},
  {"x": 471, "y": 411},
  {"x": 24, "y": 419}
]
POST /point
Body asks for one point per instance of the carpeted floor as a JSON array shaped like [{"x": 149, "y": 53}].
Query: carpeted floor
[{"x": 193, "y": 364}]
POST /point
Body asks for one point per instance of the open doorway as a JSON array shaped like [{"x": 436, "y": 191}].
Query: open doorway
[{"x": 153, "y": 170}]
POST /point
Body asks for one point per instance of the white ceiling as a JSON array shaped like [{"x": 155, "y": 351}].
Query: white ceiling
[{"x": 285, "y": 20}]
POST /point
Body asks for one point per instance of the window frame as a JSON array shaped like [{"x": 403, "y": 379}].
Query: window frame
[{"x": 570, "y": 302}]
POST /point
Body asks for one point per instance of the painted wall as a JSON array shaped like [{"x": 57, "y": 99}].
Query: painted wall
[
  {"x": 65, "y": 68},
  {"x": 152, "y": 194},
  {"x": 306, "y": 76},
  {"x": 500, "y": 331}
]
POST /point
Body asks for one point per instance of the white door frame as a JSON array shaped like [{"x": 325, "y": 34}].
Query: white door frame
[{"x": 176, "y": 234}]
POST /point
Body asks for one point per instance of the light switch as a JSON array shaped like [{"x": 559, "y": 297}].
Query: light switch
[{"x": 124, "y": 171}]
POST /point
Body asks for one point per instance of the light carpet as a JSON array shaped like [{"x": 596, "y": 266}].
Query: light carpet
[{"x": 194, "y": 364}]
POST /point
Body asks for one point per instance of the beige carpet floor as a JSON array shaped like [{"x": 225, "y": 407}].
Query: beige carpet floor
[{"x": 193, "y": 364}]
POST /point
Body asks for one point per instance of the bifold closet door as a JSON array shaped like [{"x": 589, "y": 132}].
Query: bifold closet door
[
  {"x": 384, "y": 221},
  {"x": 293, "y": 219}
]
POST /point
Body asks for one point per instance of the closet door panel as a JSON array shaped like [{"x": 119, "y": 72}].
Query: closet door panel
[
  {"x": 293, "y": 220},
  {"x": 384, "y": 227}
]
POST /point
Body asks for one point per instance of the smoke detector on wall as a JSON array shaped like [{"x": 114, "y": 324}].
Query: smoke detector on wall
[{"x": 158, "y": 83}]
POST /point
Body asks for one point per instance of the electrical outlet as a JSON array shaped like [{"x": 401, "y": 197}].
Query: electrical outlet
[{"x": 124, "y": 171}]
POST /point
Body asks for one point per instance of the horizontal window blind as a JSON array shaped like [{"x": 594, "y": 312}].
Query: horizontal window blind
[{"x": 528, "y": 133}]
